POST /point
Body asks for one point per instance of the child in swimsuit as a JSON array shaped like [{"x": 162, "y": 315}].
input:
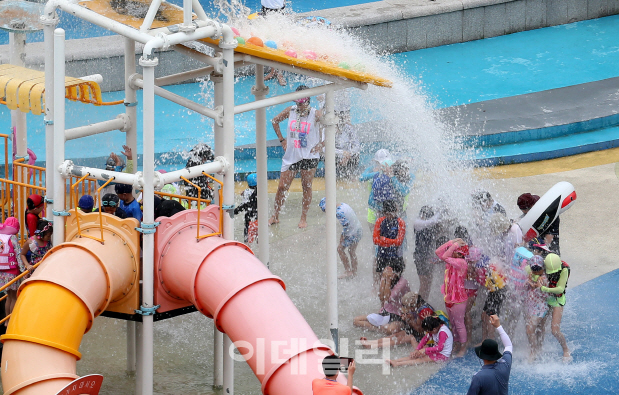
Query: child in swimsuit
[
  {"x": 441, "y": 350},
  {"x": 535, "y": 304}
]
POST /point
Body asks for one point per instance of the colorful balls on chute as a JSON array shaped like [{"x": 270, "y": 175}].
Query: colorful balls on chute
[
  {"x": 271, "y": 44},
  {"x": 257, "y": 41},
  {"x": 235, "y": 31},
  {"x": 240, "y": 40},
  {"x": 291, "y": 53},
  {"x": 311, "y": 55},
  {"x": 344, "y": 65}
]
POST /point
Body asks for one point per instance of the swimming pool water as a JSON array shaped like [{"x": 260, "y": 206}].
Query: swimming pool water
[
  {"x": 454, "y": 74},
  {"x": 518, "y": 63},
  {"x": 77, "y": 28}
]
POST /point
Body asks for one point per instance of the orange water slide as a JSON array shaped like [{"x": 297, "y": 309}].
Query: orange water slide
[{"x": 76, "y": 282}]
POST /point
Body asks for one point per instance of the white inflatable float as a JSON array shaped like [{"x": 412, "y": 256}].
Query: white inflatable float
[{"x": 547, "y": 209}]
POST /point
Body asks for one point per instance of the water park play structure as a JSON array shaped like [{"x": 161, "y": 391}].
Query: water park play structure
[{"x": 161, "y": 267}]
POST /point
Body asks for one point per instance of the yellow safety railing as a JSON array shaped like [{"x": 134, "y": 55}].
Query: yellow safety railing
[
  {"x": 86, "y": 186},
  {"x": 221, "y": 210},
  {"x": 180, "y": 198},
  {"x": 15, "y": 204},
  {"x": 28, "y": 174}
]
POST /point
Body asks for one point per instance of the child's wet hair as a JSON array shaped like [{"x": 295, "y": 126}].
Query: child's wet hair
[
  {"x": 431, "y": 323},
  {"x": 462, "y": 233},
  {"x": 44, "y": 227}
]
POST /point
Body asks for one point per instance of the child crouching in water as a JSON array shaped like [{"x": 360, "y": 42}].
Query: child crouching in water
[{"x": 437, "y": 331}]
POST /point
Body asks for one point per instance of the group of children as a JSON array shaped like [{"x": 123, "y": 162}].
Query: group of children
[{"x": 517, "y": 278}]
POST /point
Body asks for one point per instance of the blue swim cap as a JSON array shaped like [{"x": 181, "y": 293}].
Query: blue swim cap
[
  {"x": 323, "y": 204},
  {"x": 86, "y": 203},
  {"x": 252, "y": 180}
]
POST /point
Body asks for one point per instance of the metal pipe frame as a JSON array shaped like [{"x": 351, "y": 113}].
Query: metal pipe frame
[
  {"x": 260, "y": 91},
  {"x": 218, "y": 337},
  {"x": 184, "y": 76},
  {"x": 218, "y": 165},
  {"x": 49, "y": 24},
  {"x": 59, "y": 142},
  {"x": 330, "y": 122},
  {"x": 272, "y": 101},
  {"x": 121, "y": 122},
  {"x": 148, "y": 240},
  {"x": 190, "y": 104},
  {"x": 150, "y": 15},
  {"x": 227, "y": 46}
]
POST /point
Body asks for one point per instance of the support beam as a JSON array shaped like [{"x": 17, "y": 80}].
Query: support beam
[
  {"x": 330, "y": 192},
  {"x": 272, "y": 101},
  {"x": 121, "y": 122},
  {"x": 260, "y": 91},
  {"x": 148, "y": 239},
  {"x": 200, "y": 109},
  {"x": 48, "y": 32},
  {"x": 59, "y": 122},
  {"x": 218, "y": 337},
  {"x": 131, "y": 101},
  {"x": 227, "y": 45}
]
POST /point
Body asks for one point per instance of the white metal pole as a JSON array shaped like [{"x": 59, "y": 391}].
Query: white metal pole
[
  {"x": 131, "y": 101},
  {"x": 228, "y": 193},
  {"x": 330, "y": 192},
  {"x": 59, "y": 117},
  {"x": 131, "y": 140},
  {"x": 260, "y": 91},
  {"x": 148, "y": 157},
  {"x": 138, "y": 363},
  {"x": 131, "y": 360},
  {"x": 49, "y": 24},
  {"x": 218, "y": 337},
  {"x": 150, "y": 15},
  {"x": 17, "y": 48}
]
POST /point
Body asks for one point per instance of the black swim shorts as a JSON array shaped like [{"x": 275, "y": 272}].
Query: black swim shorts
[{"x": 304, "y": 164}]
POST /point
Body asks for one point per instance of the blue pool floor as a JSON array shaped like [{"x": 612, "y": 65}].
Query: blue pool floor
[{"x": 592, "y": 330}]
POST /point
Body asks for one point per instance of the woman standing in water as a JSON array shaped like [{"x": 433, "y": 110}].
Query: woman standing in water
[{"x": 302, "y": 143}]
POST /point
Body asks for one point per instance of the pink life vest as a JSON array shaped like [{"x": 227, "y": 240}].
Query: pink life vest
[{"x": 8, "y": 260}]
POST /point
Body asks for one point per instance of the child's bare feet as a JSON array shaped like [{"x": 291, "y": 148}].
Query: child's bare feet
[
  {"x": 365, "y": 343},
  {"x": 461, "y": 353},
  {"x": 567, "y": 357},
  {"x": 391, "y": 362},
  {"x": 347, "y": 274},
  {"x": 273, "y": 220},
  {"x": 302, "y": 224}
]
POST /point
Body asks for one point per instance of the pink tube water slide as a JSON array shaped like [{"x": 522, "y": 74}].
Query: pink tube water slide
[{"x": 226, "y": 282}]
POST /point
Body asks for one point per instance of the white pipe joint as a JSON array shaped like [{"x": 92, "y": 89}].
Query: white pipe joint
[
  {"x": 98, "y": 78},
  {"x": 165, "y": 41},
  {"x": 68, "y": 168},
  {"x": 219, "y": 165},
  {"x": 228, "y": 41},
  {"x": 49, "y": 12}
]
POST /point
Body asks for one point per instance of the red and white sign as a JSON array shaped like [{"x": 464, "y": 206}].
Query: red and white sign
[{"x": 87, "y": 385}]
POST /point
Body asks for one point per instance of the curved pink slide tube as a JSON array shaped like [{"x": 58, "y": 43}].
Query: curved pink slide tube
[{"x": 226, "y": 282}]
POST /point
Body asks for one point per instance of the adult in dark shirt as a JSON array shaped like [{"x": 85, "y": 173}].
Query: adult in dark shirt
[{"x": 493, "y": 378}]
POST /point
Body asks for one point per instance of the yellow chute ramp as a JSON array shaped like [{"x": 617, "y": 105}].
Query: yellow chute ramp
[
  {"x": 23, "y": 89},
  {"x": 75, "y": 283}
]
